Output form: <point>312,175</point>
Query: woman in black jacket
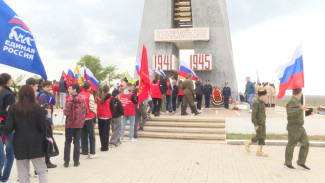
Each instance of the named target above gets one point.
<point>28,121</point>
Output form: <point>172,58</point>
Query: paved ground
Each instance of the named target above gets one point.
<point>153,161</point>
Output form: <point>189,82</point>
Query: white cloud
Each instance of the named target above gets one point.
<point>264,34</point>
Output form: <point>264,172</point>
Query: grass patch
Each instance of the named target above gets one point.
<point>59,128</point>
<point>237,136</point>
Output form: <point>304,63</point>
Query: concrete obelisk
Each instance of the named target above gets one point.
<point>201,25</point>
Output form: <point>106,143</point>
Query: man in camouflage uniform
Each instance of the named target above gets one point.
<point>258,119</point>
<point>296,131</point>
<point>188,96</point>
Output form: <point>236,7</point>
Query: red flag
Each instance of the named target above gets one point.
<point>144,87</point>
<point>64,74</point>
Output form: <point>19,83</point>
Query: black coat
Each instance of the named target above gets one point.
<point>30,132</point>
<point>117,109</point>
<point>7,98</point>
<point>199,89</point>
<point>163,86</point>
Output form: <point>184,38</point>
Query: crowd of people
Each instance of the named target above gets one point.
<point>29,120</point>
<point>83,109</point>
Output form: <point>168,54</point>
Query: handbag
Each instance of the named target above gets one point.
<point>50,147</point>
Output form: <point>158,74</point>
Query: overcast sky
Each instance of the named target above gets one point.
<point>264,35</point>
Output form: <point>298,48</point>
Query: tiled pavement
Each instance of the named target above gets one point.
<point>163,161</point>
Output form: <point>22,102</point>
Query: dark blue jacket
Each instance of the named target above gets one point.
<point>44,95</point>
<point>207,89</point>
<point>62,86</point>
<point>226,92</point>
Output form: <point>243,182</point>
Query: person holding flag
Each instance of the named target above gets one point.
<point>43,98</point>
<point>291,76</point>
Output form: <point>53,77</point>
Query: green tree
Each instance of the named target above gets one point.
<point>17,83</point>
<point>104,75</point>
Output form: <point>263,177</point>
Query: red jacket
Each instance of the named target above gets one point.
<point>128,105</point>
<point>155,90</point>
<point>181,92</point>
<point>76,111</point>
<point>86,94</point>
<point>168,92</point>
<point>55,89</point>
<point>104,110</point>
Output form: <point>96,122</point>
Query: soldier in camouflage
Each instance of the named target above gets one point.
<point>296,131</point>
<point>258,119</point>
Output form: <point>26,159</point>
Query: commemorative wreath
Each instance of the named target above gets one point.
<point>217,98</point>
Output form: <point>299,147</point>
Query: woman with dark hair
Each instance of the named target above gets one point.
<point>104,117</point>
<point>28,120</point>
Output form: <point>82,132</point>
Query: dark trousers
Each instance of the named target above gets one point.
<point>199,101</point>
<point>207,100</point>
<point>72,134</point>
<point>179,100</point>
<point>140,113</point>
<point>88,130</point>
<point>156,105</point>
<point>168,103</point>
<point>150,103</point>
<point>49,133</point>
<point>226,102</point>
<point>103,129</point>
<point>174,102</point>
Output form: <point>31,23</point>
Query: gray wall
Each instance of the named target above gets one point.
<point>213,14</point>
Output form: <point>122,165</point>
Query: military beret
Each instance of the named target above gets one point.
<point>226,83</point>
<point>262,92</point>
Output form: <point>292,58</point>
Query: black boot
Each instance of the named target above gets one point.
<point>194,110</point>
<point>183,110</point>
<point>50,165</point>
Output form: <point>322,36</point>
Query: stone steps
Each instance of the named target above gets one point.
<point>183,130</point>
<point>192,128</point>
<point>186,124</point>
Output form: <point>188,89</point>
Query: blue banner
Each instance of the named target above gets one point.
<point>17,44</point>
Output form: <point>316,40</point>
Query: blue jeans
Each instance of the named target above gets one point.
<point>250,99</point>
<point>170,101</point>
<point>8,158</point>
<point>132,119</point>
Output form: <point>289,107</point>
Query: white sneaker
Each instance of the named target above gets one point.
<point>133,140</point>
<point>93,156</point>
<point>122,139</point>
<point>84,156</point>
<point>250,111</point>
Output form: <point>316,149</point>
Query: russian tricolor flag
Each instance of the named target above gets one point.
<point>91,78</point>
<point>70,75</point>
<point>291,74</point>
<point>185,70</point>
<point>138,66</point>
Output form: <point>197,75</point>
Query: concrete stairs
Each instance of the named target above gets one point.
<point>195,128</point>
